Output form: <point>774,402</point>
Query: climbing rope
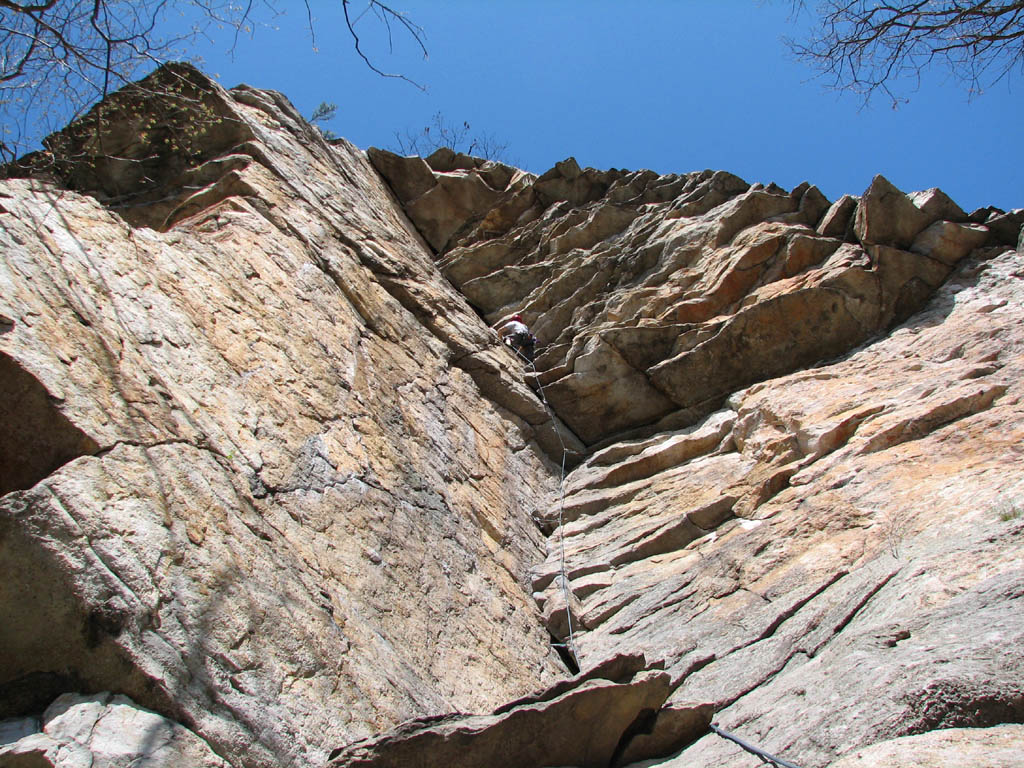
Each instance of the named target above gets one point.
<point>570,646</point>
<point>760,753</point>
<point>765,757</point>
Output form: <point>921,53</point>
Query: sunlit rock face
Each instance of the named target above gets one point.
<point>834,556</point>
<point>258,490</point>
<point>658,296</point>
<point>272,490</point>
<point>804,490</point>
<point>947,748</point>
<point>102,731</point>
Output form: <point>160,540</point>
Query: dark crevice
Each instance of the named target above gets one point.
<point>39,439</point>
<point>565,655</point>
<point>661,733</point>
<point>643,723</point>
<point>797,606</point>
<point>31,693</point>
<point>855,610</point>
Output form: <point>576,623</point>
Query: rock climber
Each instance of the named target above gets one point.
<point>515,334</point>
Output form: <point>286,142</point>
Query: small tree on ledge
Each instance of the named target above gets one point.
<point>458,138</point>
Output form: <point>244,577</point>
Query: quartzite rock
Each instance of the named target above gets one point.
<point>285,513</point>
<point>107,731</point>
<point>269,475</point>
<point>590,725</point>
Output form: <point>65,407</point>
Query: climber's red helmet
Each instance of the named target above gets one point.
<point>517,318</point>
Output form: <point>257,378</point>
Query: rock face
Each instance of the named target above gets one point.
<point>834,557</point>
<point>286,513</point>
<point>659,296</point>
<point>951,748</point>
<point>107,732</point>
<point>269,479</point>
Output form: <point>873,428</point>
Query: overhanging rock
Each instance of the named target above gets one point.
<point>594,721</point>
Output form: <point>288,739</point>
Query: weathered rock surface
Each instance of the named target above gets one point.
<point>592,722</point>
<point>658,296</point>
<point>835,558</point>
<point>445,192</point>
<point>818,519</point>
<point>950,748</point>
<point>286,513</point>
<point>107,731</point>
<point>267,473</point>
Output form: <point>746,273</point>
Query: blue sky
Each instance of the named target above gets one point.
<point>672,86</point>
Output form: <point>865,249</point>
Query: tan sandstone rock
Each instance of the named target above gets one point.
<point>284,512</point>
<point>269,474</point>
<point>950,748</point>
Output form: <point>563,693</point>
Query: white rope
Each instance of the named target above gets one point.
<point>571,644</point>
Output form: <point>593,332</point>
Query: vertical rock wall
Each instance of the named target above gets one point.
<point>803,494</point>
<point>250,485</point>
<point>268,474</point>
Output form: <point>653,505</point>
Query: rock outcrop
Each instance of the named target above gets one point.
<point>257,486</point>
<point>103,732</point>
<point>601,718</point>
<point>273,491</point>
<point>827,560</point>
<point>659,296</point>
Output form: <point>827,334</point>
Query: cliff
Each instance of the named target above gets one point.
<point>275,494</point>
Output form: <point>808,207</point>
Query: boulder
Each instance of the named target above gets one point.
<point>885,216</point>
<point>107,731</point>
<point>949,242</point>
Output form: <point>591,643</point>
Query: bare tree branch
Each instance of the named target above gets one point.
<point>458,138</point>
<point>867,46</point>
<point>387,15</point>
<point>57,57</point>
